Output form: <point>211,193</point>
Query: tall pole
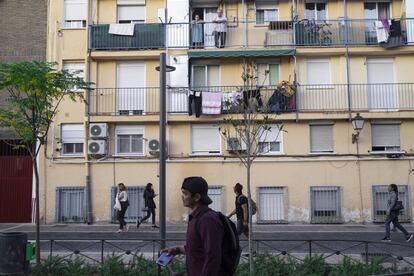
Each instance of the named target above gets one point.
<point>162,171</point>
<point>348,87</point>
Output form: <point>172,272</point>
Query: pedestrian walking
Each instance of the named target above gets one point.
<point>241,211</point>
<point>393,210</point>
<point>205,232</point>
<point>122,198</point>
<point>150,206</point>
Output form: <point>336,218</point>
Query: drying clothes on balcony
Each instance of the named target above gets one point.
<point>382,32</point>
<point>252,97</point>
<point>279,102</point>
<point>122,29</point>
<point>396,38</point>
<point>231,100</point>
<point>194,103</point>
<point>211,103</point>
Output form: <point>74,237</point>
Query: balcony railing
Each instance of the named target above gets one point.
<point>308,98</point>
<point>251,34</point>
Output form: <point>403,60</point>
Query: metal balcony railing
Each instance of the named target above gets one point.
<point>305,33</point>
<point>308,98</point>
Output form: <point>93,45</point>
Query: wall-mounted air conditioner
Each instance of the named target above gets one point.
<point>98,130</point>
<point>97,147</point>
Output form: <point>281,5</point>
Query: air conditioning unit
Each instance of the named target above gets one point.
<point>154,147</point>
<point>234,144</point>
<point>97,147</point>
<point>98,130</point>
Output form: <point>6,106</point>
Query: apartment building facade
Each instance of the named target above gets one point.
<point>22,38</point>
<point>342,60</point>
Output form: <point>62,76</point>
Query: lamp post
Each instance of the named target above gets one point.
<point>358,124</point>
<point>163,69</point>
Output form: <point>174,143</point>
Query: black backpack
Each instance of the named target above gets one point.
<point>230,251</point>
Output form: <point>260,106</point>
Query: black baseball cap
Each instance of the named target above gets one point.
<point>197,185</point>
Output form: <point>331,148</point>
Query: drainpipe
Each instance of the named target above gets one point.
<point>293,15</point>
<point>245,26</point>
<point>348,87</point>
<point>88,181</point>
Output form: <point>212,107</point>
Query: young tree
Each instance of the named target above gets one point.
<point>247,130</point>
<point>34,92</point>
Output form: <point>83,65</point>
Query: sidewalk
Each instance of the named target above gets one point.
<point>182,227</point>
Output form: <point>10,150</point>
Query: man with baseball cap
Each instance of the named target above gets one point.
<point>205,231</point>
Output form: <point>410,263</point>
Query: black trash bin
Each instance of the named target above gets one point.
<point>12,253</point>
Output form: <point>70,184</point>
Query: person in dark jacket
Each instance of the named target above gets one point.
<point>205,232</point>
<point>149,196</point>
<point>392,215</point>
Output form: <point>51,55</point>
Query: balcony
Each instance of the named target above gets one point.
<point>377,97</point>
<point>277,34</point>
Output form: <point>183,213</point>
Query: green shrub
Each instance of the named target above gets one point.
<point>50,266</point>
<point>113,265</point>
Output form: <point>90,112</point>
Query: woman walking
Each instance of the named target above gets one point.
<point>149,195</point>
<point>393,210</point>
<point>122,199</point>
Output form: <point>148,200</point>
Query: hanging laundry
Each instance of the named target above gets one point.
<point>231,100</point>
<point>122,29</point>
<point>194,103</point>
<point>382,33</point>
<point>211,103</point>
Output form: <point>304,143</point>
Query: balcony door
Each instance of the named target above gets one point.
<point>373,12</point>
<point>178,31</point>
<point>381,91</point>
<point>130,92</point>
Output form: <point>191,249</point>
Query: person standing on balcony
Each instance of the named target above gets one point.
<point>197,32</point>
<point>149,196</point>
<point>241,210</point>
<point>393,210</point>
<point>122,197</point>
<point>220,29</point>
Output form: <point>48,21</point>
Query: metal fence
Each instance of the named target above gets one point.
<point>326,204</point>
<point>71,204</point>
<point>253,34</point>
<point>332,251</point>
<point>308,98</point>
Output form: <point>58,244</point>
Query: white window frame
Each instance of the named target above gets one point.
<point>129,130</point>
<point>267,82</point>
<point>321,124</point>
<point>267,140</point>
<point>387,148</point>
<point>264,10</point>
<point>72,140</point>
<point>75,68</point>
<point>140,21</point>
<point>77,23</point>
<point>220,195</point>
<point>316,12</point>
<point>204,152</point>
<point>319,60</point>
<point>206,73</point>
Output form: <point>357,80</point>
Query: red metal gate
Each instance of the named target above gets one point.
<point>15,185</point>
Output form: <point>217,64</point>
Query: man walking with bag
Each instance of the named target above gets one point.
<point>241,211</point>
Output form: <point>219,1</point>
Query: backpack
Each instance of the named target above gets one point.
<point>254,205</point>
<point>231,250</point>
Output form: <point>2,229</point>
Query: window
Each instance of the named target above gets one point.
<point>326,204</point>
<point>380,197</point>
<point>377,10</point>
<point>206,75</point>
<point>266,13</point>
<point>271,202</point>
<point>270,141</point>
<point>129,140</point>
<point>318,71</point>
<point>315,11</point>
<point>268,74</point>
<point>321,137</point>
<point>385,136</point>
<point>75,13</point>
<point>215,193</point>
<point>72,139</point>
<point>131,14</point>
<point>77,69</point>
<point>71,204</point>
<point>205,139</point>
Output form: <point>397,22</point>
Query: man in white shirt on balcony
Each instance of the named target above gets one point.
<point>220,29</point>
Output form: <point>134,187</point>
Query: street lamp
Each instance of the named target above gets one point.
<point>163,69</point>
<point>357,123</point>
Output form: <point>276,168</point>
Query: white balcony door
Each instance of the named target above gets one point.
<point>130,92</point>
<point>178,31</point>
<point>209,15</point>
<point>178,81</point>
<point>381,91</point>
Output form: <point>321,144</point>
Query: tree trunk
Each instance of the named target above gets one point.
<point>249,197</point>
<point>37,216</point>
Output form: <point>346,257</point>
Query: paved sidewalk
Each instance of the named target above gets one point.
<point>181,228</point>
